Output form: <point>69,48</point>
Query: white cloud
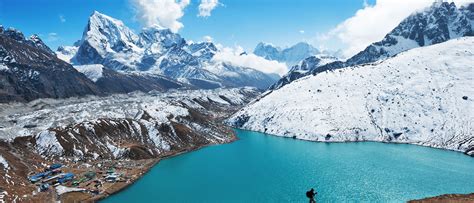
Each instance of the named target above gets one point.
<point>301,31</point>
<point>165,13</point>
<point>62,19</point>
<point>373,22</point>
<point>206,6</point>
<point>52,37</point>
<point>235,57</point>
<point>207,38</point>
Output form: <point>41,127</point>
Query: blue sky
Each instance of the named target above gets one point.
<point>233,22</point>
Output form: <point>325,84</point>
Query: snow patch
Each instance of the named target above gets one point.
<point>93,72</point>
<point>47,143</point>
<point>4,162</point>
<point>3,67</point>
<point>63,189</point>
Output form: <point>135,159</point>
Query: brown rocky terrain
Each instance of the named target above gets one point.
<point>449,198</point>
<point>157,126</point>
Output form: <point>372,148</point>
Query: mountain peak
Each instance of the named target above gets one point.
<point>98,18</point>
<point>104,33</point>
<point>14,34</point>
<point>36,41</point>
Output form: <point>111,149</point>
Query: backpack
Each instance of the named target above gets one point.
<point>309,194</point>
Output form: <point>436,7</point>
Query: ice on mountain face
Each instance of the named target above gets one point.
<point>415,97</point>
<point>109,42</point>
<point>164,37</point>
<point>204,50</point>
<point>109,34</point>
<point>93,72</point>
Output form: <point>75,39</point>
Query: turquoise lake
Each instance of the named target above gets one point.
<point>263,168</point>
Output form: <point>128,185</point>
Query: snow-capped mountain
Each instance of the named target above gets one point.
<point>33,40</point>
<point>29,70</point>
<point>156,50</point>
<point>438,23</point>
<point>291,55</point>
<point>423,96</point>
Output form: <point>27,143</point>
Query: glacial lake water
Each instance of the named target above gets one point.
<point>263,168</point>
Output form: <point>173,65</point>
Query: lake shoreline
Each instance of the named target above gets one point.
<point>359,141</point>
<point>130,194</point>
<point>156,161</point>
<point>145,170</point>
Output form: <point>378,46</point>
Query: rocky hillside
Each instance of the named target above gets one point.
<point>438,23</point>
<point>423,96</point>
<point>121,127</point>
<point>29,70</point>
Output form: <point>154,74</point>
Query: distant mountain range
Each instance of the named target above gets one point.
<point>438,23</point>
<point>291,55</point>
<point>158,51</point>
<point>109,59</point>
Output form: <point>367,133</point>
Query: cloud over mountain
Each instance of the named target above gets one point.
<point>166,13</point>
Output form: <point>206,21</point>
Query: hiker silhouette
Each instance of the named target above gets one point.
<point>311,194</point>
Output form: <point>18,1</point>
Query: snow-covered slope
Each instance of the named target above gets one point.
<point>424,96</point>
<point>156,50</point>
<point>93,72</point>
